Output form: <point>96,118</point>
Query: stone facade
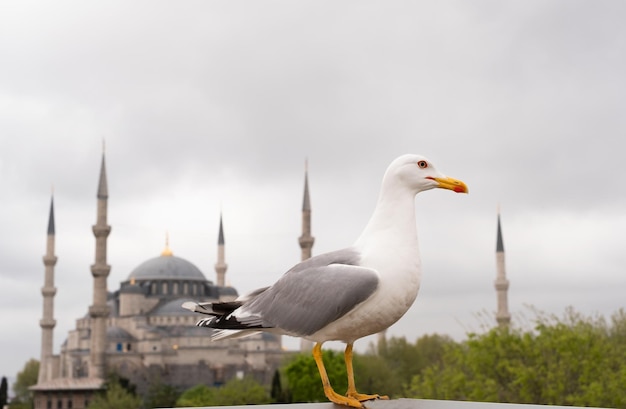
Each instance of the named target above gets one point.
<point>151,338</point>
<point>140,331</point>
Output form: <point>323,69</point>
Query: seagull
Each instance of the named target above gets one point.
<point>346,294</point>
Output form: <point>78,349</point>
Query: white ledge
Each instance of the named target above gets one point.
<point>402,404</point>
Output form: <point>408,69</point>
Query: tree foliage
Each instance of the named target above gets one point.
<point>385,371</point>
<point>116,396</point>
<point>569,360</point>
<point>374,375</point>
<point>277,392</point>
<point>26,378</point>
<point>161,395</point>
<point>305,384</point>
<point>4,391</point>
<point>199,395</point>
<point>405,359</point>
<point>244,391</point>
<point>574,360</point>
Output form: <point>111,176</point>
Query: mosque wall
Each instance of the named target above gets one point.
<point>141,331</point>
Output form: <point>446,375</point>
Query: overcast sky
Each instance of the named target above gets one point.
<point>208,105</point>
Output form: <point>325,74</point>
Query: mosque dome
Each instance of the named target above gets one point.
<point>166,267</point>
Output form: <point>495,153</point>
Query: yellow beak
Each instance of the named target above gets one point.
<point>452,184</point>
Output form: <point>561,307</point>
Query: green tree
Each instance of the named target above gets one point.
<point>26,378</point>
<point>161,395</point>
<point>574,360</point>
<point>277,393</point>
<point>372,375</point>
<point>244,391</point>
<point>400,355</point>
<point>199,395</point>
<point>4,392</point>
<point>124,383</point>
<point>115,397</point>
<point>407,360</point>
<point>305,384</point>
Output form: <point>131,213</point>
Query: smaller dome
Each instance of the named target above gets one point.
<point>119,334</point>
<point>227,291</point>
<point>269,337</point>
<point>132,289</point>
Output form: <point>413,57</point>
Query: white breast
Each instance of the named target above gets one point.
<point>397,290</point>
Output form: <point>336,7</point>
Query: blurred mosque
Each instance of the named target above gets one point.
<point>140,331</point>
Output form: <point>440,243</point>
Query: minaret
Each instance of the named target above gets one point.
<point>221,266</point>
<point>48,291</point>
<point>501,283</point>
<point>306,240</point>
<point>99,311</point>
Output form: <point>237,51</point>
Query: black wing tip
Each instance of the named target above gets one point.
<point>230,323</point>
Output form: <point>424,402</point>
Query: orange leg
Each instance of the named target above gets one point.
<point>352,393</point>
<point>328,390</point>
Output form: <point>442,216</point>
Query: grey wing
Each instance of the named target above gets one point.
<point>307,299</point>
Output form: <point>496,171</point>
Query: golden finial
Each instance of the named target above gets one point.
<point>167,251</point>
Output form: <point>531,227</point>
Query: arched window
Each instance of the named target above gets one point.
<point>175,288</point>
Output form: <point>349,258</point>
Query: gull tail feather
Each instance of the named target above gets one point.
<point>227,319</point>
<point>215,309</point>
<point>220,334</point>
<point>231,334</point>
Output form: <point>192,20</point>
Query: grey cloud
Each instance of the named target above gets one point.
<point>209,103</point>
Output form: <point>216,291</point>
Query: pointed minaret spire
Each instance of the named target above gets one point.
<point>220,236</point>
<point>48,291</point>
<point>306,202</point>
<point>306,240</point>
<point>103,191</point>
<point>99,311</point>
<point>51,217</point>
<point>501,283</point>
<point>221,266</point>
<point>499,242</point>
